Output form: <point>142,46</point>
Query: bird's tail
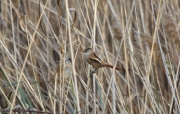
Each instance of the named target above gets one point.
<point>110,66</point>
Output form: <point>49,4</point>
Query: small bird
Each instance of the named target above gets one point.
<point>94,60</point>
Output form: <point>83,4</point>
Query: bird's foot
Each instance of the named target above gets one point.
<point>93,71</point>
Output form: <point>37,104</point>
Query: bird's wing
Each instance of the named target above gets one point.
<point>95,59</point>
<point>97,56</point>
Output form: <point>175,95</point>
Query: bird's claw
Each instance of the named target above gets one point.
<point>93,71</point>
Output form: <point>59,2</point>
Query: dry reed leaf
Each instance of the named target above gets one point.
<point>116,30</point>
<point>22,22</point>
<point>147,39</point>
<point>170,27</point>
<point>81,48</point>
<point>62,78</point>
<point>64,68</point>
<point>137,48</point>
<point>179,23</point>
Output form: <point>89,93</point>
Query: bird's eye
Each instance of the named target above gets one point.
<point>86,50</point>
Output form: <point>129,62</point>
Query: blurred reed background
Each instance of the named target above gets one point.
<point>43,71</point>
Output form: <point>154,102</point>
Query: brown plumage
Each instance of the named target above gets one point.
<point>94,60</point>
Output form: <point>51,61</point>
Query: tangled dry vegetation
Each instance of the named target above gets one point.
<point>43,71</point>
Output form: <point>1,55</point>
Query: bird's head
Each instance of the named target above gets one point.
<point>87,51</point>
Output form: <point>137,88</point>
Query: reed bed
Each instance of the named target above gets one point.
<point>42,69</point>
